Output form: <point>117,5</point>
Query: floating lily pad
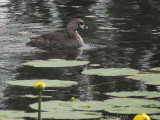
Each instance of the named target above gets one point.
<point>111,118</point>
<point>132,106</point>
<point>65,110</point>
<point>12,119</point>
<point>152,79</point>
<point>55,63</point>
<point>71,115</point>
<point>111,72</point>
<point>117,105</point>
<point>156,117</point>
<point>133,102</point>
<point>91,106</point>
<point>54,106</point>
<point>155,69</point>
<point>132,110</point>
<point>12,115</point>
<point>135,93</point>
<point>49,83</point>
<point>69,105</point>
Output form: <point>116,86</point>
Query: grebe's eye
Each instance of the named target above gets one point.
<point>80,23</point>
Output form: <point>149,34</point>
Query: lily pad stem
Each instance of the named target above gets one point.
<point>39,104</point>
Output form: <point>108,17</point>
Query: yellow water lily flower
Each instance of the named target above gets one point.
<point>142,117</point>
<point>40,86</point>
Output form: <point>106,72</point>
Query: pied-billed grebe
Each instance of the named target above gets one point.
<point>61,40</point>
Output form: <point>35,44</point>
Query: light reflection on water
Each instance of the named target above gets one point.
<point>135,44</point>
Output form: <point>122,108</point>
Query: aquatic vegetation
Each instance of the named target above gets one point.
<point>155,69</point>
<point>71,115</point>
<point>142,117</point>
<point>69,109</point>
<point>11,115</point>
<point>133,102</point>
<point>91,106</point>
<point>55,63</point>
<point>132,106</point>
<point>76,109</point>
<point>49,83</point>
<point>15,114</point>
<point>151,79</point>
<point>135,94</point>
<point>112,118</point>
<point>132,110</point>
<point>39,86</point>
<point>111,71</point>
<point>70,105</point>
<point>117,105</point>
<point>157,117</point>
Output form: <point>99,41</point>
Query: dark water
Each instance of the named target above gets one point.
<point>134,45</point>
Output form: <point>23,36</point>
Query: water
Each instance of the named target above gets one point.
<point>135,44</point>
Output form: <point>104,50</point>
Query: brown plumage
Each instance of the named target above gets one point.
<point>71,39</point>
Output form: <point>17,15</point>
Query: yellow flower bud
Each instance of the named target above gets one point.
<point>40,86</point>
<point>142,117</point>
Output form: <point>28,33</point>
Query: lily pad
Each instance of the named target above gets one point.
<point>71,115</point>
<point>155,69</point>
<point>111,72</point>
<point>12,115</point>
<point>133,102</point>
<point>111,118</point>
<point>132,110</point>
<point>70,105</point>
<point>65,110</point>
<point>117,105</point>
<point>151,79</point>
<point>157,117</point>
<point>49,83</point>
<point>132,106</point>
<point>12,119</point>
<point>55,63</point>
<point>135,93</point>
<point>91,106</point>
<point>54,106</point>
